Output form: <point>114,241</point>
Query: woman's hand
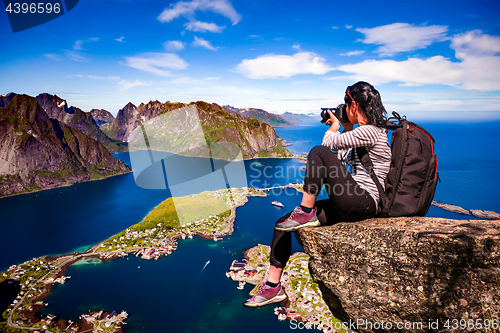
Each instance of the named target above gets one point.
<point>333,122</point>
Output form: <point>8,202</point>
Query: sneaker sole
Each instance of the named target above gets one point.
<point>275,299</point>
<point>308,224</point>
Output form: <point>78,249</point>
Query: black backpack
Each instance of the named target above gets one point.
<point>412,179</point>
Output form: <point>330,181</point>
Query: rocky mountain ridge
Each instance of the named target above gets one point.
<point>275,120</point>
<point>302,117</point>
<point>45,143</point>
<point>57,108</point>
<point>218,125</point>
<point>271,119</point>
<point>38,152</point>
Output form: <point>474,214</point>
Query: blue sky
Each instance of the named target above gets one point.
<point>429,59</point>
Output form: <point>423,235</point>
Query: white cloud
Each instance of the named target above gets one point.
<point>183,80</point>
<point>335,28</point>
<point>52,56</point>
<point>203,43</point>
<point>173,45</point>
<point>78,45</point>
<point>120,39</point>
<point>121,83</point>
<point>75,56</point>
<point>188,9</point>
<point>475,43</point>
<point>303,82</point>
<point>199,26</point>
<point>411,72</point>
<point>455,108</point>
<point>156,63</point>
<point>95,77</point>
<point>402,37</point>
<point>352,53</point>
<point>347,26</point>
<point>302,98</point>
<point>477,68</point>
<point>124,84</point>
<point>283,66</point>
<point>188,80</point>
<point>296,46</point>
<point>241,90</point>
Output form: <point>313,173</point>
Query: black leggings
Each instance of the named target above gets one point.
<point>347,202</point>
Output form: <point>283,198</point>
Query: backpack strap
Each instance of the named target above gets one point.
<point>395,121</point>
<point>368,164</point>
<point>396,116</point>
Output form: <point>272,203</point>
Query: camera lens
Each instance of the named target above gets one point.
<point>324,116</point>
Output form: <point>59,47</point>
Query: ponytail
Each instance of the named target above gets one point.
<point>368,98</point>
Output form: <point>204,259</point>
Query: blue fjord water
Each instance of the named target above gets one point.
<point>173,294</point>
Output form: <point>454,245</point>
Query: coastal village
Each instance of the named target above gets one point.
<point>33,281</point>
<point>152,238</point>
<point>304,303</point>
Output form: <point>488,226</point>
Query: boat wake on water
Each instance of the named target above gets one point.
<point>206,264</point>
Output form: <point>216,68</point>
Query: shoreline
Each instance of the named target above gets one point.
<point>227,231</point>
<point>66,185</point>
<point>238,160</point>
<point>28,313</point>
<point>131,170</point>
<point>35,304</point>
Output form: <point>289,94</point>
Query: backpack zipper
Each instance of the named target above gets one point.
<point>411,128</point>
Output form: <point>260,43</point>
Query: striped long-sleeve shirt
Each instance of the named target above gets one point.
<point>377,145</point>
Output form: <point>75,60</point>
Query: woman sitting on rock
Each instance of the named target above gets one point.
<point>352,196</point>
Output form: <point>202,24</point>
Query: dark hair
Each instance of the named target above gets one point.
<point>368,98</point>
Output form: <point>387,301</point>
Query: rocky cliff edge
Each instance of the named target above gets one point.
<point>408,270</point>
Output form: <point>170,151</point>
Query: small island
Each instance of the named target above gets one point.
<point>209,214</point>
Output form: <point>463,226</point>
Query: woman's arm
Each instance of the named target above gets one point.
<point>335,124</point>
<point>362,136</point>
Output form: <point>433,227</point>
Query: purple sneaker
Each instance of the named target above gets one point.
<point>298,219</point>
<point>266,295</point>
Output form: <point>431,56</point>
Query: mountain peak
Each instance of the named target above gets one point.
<point>101,116</point>
<point>6,98</point>
<point>25,109</point>
<point>57,108</point>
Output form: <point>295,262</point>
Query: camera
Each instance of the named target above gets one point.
<point>339,112</point>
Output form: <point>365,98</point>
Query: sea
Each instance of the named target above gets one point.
<point>177,293</point>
